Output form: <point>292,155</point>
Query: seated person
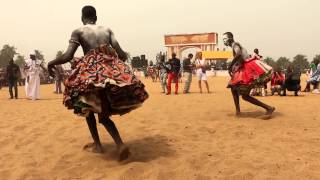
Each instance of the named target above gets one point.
<point>314,79</point>
<point>309,73</point>
<point>277,80</point>
<point>292,81</point>
<point>261,88</point>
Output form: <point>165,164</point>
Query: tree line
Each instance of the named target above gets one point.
<point>299,60</point>
<point>8,52</point>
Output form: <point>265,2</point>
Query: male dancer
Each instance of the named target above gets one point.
<point>100,82</point>
<point>240,84</point>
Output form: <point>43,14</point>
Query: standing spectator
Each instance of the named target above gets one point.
<point>32,84</point>
<point>59,73</point>
<point>187,71</point>
<point>13,73</point>
<point>173,73</point>
<point>201,71</point>
<point>2,77</point>
<point>163,74</point>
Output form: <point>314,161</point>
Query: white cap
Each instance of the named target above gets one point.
<point>32,53</point>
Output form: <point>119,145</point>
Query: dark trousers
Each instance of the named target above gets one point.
<point>13,84</point>
<point>58,86</point>
<point>291,85</point>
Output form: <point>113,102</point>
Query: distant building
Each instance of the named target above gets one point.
<point>139,61</point>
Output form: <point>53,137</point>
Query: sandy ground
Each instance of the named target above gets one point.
<point>194,136</point>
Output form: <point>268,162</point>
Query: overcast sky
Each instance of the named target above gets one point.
<point>276,27</point>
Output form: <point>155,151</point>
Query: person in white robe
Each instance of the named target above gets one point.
<point>32,70</point>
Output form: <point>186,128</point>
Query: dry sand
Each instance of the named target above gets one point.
<point>194,136</point>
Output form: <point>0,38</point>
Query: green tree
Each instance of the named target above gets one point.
<point>7,52</point>
<point>150,63</point>
<point>20,61</point>
<point>283,62</point>
<point>270,61</point>
<point>59,54</point>
<point>301,61</point>
<point>316,59</point>
<point>39,55</point>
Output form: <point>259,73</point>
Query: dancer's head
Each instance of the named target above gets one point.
<point>228,38</point>
<point>89,15</point>
<point>190,56</point>
<point>173,55</point>
<point>256,51</point>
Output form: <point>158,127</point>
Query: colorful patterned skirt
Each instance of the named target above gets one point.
<point>102,83</point>
<point>249,74</point>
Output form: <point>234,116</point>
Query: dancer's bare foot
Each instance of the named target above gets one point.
<point>268,114</point>
<point>94,147</point>
<point>238,114</point>
<point>124,152</point>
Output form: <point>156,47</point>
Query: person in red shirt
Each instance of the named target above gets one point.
<point>173,73</point>
<point>277,79</point>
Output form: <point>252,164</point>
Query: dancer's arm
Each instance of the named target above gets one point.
<point>68,55</point>
<point>237,57</point>
<point>114,43</point>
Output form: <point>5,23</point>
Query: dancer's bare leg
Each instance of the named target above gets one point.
<point>113,131</point>
<point>199,84</point>
<point>96,145</point>
<point>235,96</point>
<point>207,85</point>
<point>255,101</point>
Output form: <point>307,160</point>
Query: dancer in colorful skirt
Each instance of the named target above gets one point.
<point>260,89</point>
<point>245,73</point>
<point>100,82</point>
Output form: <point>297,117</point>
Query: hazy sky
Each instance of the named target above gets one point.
<point>276,27</point>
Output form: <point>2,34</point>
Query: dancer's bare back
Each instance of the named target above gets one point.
<point>91,36</point>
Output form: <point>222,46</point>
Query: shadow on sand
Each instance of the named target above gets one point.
<point>255,115</point>
<point>142,150</point>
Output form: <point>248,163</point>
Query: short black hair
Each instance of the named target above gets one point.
<point>229,34</point>
<point>162,58</point>
<point>190,55</point>
<point>89,12</point>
